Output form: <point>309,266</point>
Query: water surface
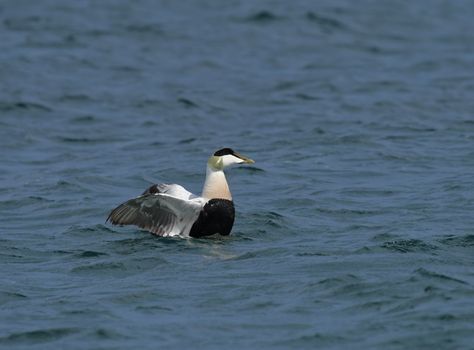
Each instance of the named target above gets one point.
<point>354,228</point>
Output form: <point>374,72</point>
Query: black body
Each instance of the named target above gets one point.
<point>217,216</point>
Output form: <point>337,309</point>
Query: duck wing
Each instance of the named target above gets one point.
<point>160,213</point>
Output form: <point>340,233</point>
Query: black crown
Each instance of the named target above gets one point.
<point>224,152</point>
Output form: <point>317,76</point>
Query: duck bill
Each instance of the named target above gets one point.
<point>245,160</point>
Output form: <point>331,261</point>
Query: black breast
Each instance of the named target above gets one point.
<point>217,216</point>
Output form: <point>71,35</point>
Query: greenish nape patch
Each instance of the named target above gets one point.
<point>216,163</point>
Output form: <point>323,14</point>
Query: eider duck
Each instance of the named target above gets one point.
<point>171,210</point>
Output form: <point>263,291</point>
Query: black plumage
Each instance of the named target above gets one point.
<point>217,216</point>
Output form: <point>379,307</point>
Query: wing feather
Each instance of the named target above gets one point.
<point>159,213</point>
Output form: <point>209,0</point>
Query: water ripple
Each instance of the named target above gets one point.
<point>409,246</point>
<point>353,229</point>
<point>37,336</point>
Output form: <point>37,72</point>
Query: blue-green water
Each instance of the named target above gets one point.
<point>354,229</point>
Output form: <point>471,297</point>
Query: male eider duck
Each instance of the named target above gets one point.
<point>171,210</point>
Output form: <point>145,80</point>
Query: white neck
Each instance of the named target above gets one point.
<point>216,185</point>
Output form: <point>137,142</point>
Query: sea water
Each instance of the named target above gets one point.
<point>354,228</point>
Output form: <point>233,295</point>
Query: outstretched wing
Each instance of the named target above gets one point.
<point>159,213</point>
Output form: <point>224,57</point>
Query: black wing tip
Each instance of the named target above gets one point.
<point>110,218</point>
<point>114,216</point>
